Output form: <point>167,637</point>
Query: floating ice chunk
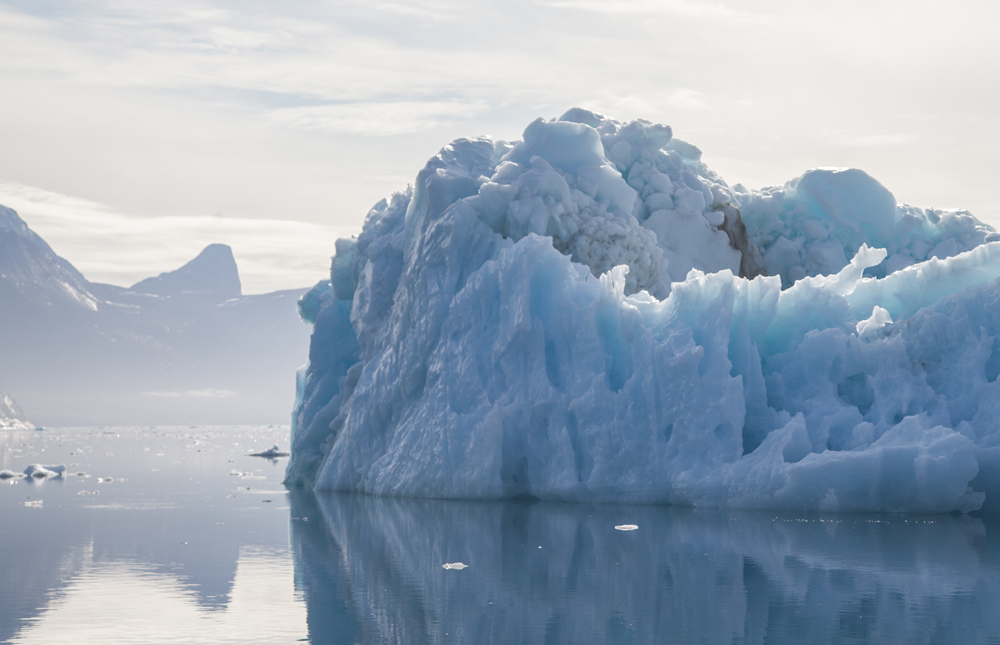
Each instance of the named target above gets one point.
<point>626,527</point>
<point>37,471</point>
<point>34,503</point>
<point>10,474</point>
<point>454,565</point>
<point>271,453</point>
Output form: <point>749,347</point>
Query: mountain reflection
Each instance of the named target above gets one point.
<point>371,571</point>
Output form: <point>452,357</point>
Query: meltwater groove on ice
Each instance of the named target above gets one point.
<point>591,314</point>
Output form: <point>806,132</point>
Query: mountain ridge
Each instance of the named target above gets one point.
<point>86,353</point>
<point>11,415</point>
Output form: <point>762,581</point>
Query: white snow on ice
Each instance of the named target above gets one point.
<point>271,453</point>
<point>564,318</point>
<point>38,471</point>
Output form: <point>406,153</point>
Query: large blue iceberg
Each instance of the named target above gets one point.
<point>591,314</point>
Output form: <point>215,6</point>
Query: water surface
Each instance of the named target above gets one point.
<point>193,541</point>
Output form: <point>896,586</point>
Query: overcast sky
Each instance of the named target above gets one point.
<point>132,134</point>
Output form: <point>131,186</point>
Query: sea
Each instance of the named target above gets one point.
<point>179,535</point>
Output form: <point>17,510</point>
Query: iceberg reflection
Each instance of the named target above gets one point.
<point>372,571</point>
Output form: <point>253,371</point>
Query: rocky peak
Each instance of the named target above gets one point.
<point>213,271</point>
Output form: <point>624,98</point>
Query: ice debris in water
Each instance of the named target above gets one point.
<point>592,314</point>
<point>454,565</point>
<point>37,471</point>
<point>270,453</point>
<point>34,503</point>
<point>10,474</point>
<point>626,527</point>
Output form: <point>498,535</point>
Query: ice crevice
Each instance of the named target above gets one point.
<point>591,314</point>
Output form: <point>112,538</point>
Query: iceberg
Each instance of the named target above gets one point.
<point>38,471</point>
<point>271,453</point>
<point>591,314</point>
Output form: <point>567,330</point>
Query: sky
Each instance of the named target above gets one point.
<point>134,134</point>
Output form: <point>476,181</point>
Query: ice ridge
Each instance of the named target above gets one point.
<point>570,317</point>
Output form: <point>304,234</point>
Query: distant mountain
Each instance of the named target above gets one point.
<point>213,271</point>
<point>31,272</point>
<point>183,347</point>
<point>11,416</point>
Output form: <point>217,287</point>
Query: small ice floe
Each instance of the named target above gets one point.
<point>626,527</point>
<point>271,453</point>
<point>33,503</point>
<point>454,565</point>
<point>38,471</point>
<point>105,480</point>
<point>87,492</point>
<point>10,474</point>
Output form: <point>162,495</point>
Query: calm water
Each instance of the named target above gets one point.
<point>192,541</point>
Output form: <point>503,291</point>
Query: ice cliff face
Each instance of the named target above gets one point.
<point>565,318</point>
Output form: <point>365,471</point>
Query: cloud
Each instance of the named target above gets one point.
<point>712,10</point>
<point>877,140</point>
<point>844,138</point>
<point>207,393</point>
<point>376,118</point>
<point>113,247</point>
<point>268,109</point>
<point>685,99</point>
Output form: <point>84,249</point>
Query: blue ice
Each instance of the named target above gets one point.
<point>571,317</point>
